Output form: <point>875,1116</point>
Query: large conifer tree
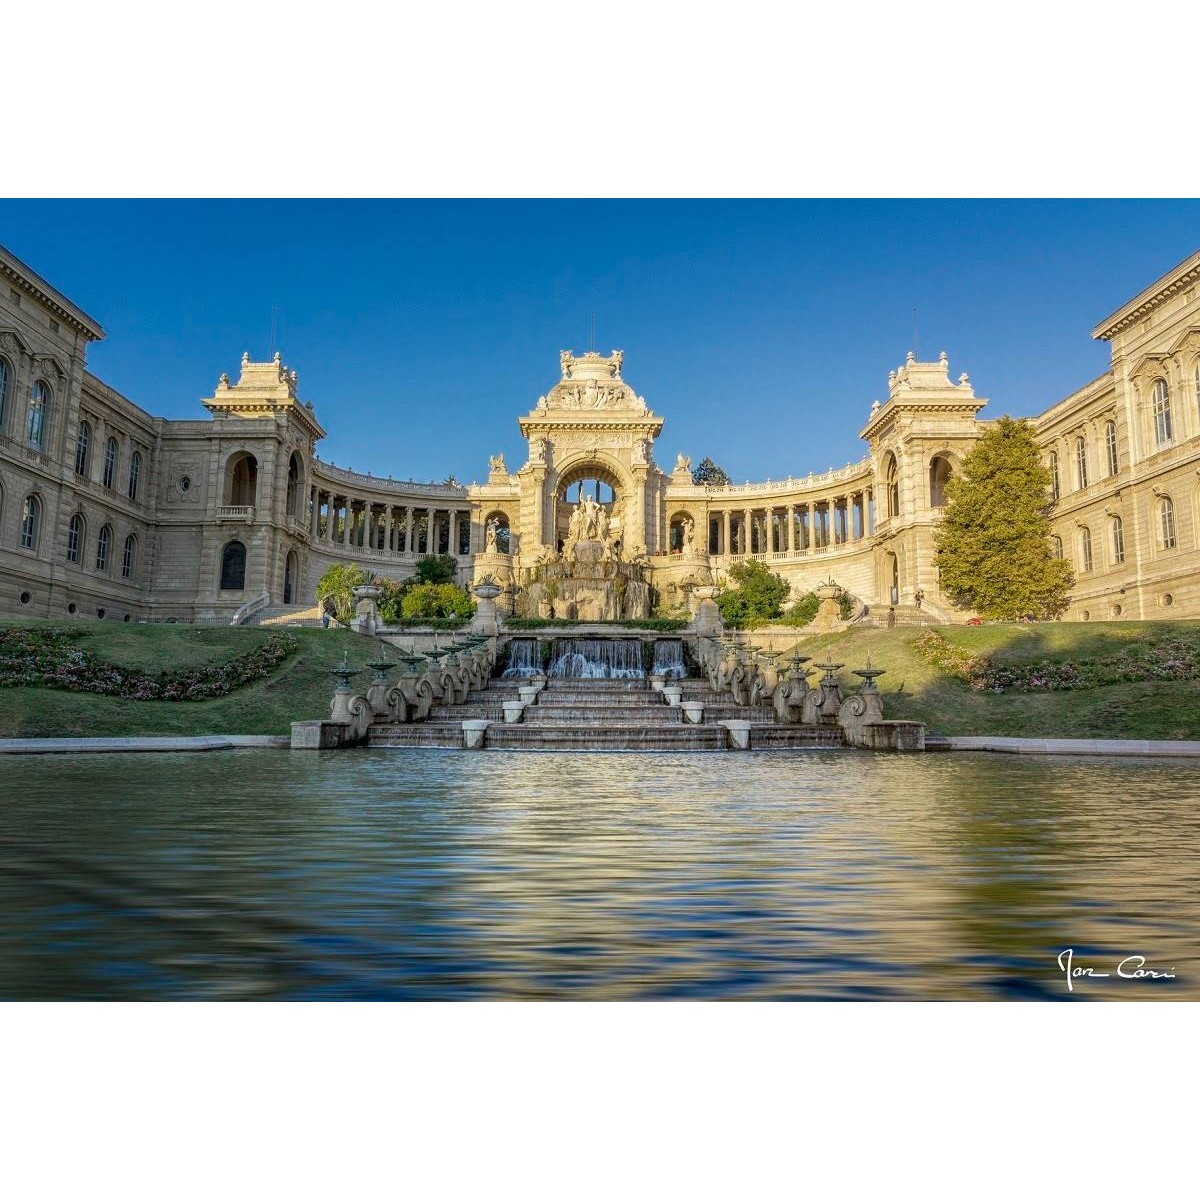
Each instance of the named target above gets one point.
<point>993,543</point>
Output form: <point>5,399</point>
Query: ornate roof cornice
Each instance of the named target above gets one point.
<point>27,280</point>
<point>1185,275</point>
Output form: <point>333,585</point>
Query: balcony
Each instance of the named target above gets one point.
<point>236,512</point>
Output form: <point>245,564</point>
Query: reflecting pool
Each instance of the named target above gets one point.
<point>429,874</point>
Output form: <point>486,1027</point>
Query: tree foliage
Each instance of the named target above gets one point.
<point>758,597</point>
<point>435,600</point>
<point>709,472</point>
<point>337,586</point>
<point>437,568</point>
<point>993,543</point>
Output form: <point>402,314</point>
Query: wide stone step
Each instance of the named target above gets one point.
<point>421,734</point>
<point>677,737</point>
<point>616,719</point>
<point>634,700</point>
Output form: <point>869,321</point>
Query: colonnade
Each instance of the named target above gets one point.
<point>337,519</point>
<point>794,528</point>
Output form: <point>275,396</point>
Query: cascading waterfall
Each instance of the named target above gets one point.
<point>524,659</point>
<point>597,658</point>
<point>668,658</point>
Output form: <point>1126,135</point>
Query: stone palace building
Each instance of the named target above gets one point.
<point>107,511</point>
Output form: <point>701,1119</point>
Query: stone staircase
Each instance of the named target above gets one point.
<point>603,714</point>
<point>287,614</point>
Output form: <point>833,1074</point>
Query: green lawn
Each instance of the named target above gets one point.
<point>301,688</point>
<point>916,691</point>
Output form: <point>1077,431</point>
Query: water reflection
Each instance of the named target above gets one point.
<point>434,875</point>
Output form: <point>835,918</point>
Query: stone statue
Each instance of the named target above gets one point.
<point>537,450</point>
<point>618,357</point>
<point>496,464</point>
<point>689,538</point>
<point>489,545</point>
<point>567,361</point>
<point>639,454</point>
<point>683,463</point>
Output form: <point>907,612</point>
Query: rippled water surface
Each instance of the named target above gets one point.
<point>443,875</point>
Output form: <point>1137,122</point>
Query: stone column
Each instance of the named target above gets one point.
<point>726,532</point>
<point>453,547</point>
<point>429,538</point>
<point>791,529</point>
<point>747,531</point>
<point>387,528</point>
<point>408,528</point>
<point>346,507</point>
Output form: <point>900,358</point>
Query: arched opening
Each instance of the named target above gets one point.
<point>681,534</point>
<point>600,486</point>
<point>293,485</point>
<point>496,536</point>
<point>891,480</point>
<point>129,558</point>
<point>111,451</point>
<point>291,566</point>
<point>940,472</point>
<point>241,480</point>
<point>891,571</point>
<point>233,567</point>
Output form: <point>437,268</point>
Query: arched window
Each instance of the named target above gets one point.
<point>939,475</point>
<point>1166,523</point>
<point>1110,442</point>
<point>129,558</point>
<point>1056,546</point>
<point>1085,548</point>
<point>1118,541</point>
<point>135,473</point>
<point>892,479</point>
<point>293,484</point>
<point>6,375</point>
<point>111,450</point>
<point>1081,479</point>
<point>103,545</point>
<point>83,444</point>
<point>233,567</point>
<point>31,520</point>
<point>76,536</point>
<point>1055,489</point>
<point>1161,401</point>
<point>39,411</point>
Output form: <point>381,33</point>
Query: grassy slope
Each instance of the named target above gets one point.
<point>916,691</point>
<point>301,688</point>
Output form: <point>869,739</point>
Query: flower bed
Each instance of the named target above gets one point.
<point>49,658</point>
<point>1141,662</point>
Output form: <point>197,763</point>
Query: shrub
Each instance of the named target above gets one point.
<point>437,568</point>
<point>49,658</point>
<point>803,611</point>
<point>337,586</point>
<point>424,600</point>
<point>758,597</point>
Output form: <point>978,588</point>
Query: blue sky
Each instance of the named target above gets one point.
<point>761,331</point>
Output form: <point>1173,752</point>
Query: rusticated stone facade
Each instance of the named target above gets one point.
<point>108,511</point>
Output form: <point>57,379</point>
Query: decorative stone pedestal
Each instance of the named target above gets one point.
<point>474,733</point>
<point>739,734</point>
